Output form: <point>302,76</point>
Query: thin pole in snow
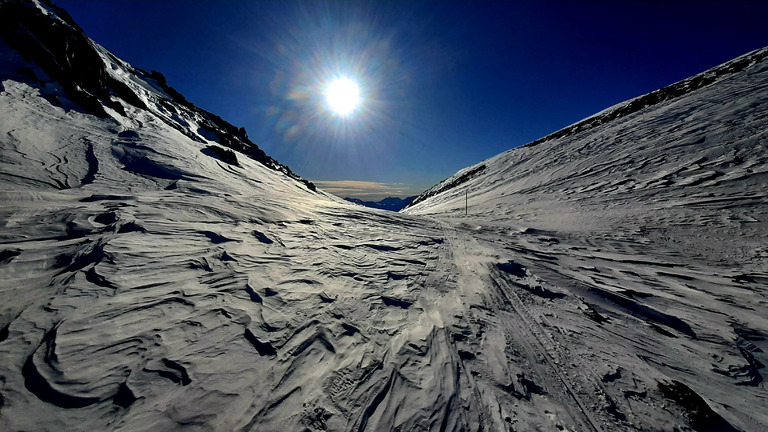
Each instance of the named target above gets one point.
<point>466,203</point>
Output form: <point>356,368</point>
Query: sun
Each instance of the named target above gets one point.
<point>342,96</point>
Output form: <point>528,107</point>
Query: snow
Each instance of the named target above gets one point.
<point>657,222</point>
<point>612,279</point>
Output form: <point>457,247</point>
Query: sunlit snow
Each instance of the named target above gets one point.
<point>609,278</point>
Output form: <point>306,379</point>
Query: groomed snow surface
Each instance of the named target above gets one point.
<point>612,279</point>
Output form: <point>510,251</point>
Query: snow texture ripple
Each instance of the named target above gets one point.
<point>157,275</point>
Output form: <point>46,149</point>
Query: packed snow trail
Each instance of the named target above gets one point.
<point>545,341</point>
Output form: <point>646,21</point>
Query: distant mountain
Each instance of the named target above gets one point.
<point>389,203</point>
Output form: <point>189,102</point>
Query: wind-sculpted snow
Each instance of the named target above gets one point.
<point>652,225</point>
<point>154,277</point>
<point>174,290</point>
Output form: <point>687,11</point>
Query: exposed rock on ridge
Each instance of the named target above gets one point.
<point>90,78</point>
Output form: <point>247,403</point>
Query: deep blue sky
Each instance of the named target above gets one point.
<point>448,83</point>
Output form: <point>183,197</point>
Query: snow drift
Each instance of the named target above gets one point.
<point>653,214</point>
<point>158,271</point>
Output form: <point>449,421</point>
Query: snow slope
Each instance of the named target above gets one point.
<point>654,222</point>
<point>159,272</point>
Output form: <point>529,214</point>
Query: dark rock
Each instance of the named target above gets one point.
<point>215,238</point>
<point>160,78</point>
<point>655,97</point>
<point>253,294</point>
<point>131,227</point>
<point>61,49</point>
<point>349,329</point>
<point>261,237</point>
<point>466,355</point>
<point>125,93</point>
<point>325,298</point>
<point>612,376</point>
<point>593,314</point>
<point>4,332</point>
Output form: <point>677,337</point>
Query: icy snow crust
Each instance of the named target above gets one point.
<point>612,279</point>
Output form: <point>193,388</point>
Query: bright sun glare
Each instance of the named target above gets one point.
<point>342,96</point>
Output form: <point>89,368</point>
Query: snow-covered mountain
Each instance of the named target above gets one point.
<point>389,203</point>
<point>75,73</point>
<point>652,218</point>
<point>158,271</point>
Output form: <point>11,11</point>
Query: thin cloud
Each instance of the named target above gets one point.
<point>365,190</point>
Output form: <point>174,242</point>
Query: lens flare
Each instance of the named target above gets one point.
<point>338,80</point>
<point>342,96</point>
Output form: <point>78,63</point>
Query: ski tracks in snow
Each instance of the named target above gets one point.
<point>510,351</point>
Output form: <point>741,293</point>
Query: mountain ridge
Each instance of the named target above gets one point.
<point>615,112</point>
<point>389,203</point>
<point>91,76</point>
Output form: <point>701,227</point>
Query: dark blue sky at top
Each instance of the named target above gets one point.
<point>448,84</point>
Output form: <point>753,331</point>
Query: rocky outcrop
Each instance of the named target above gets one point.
<point>48,37</point>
